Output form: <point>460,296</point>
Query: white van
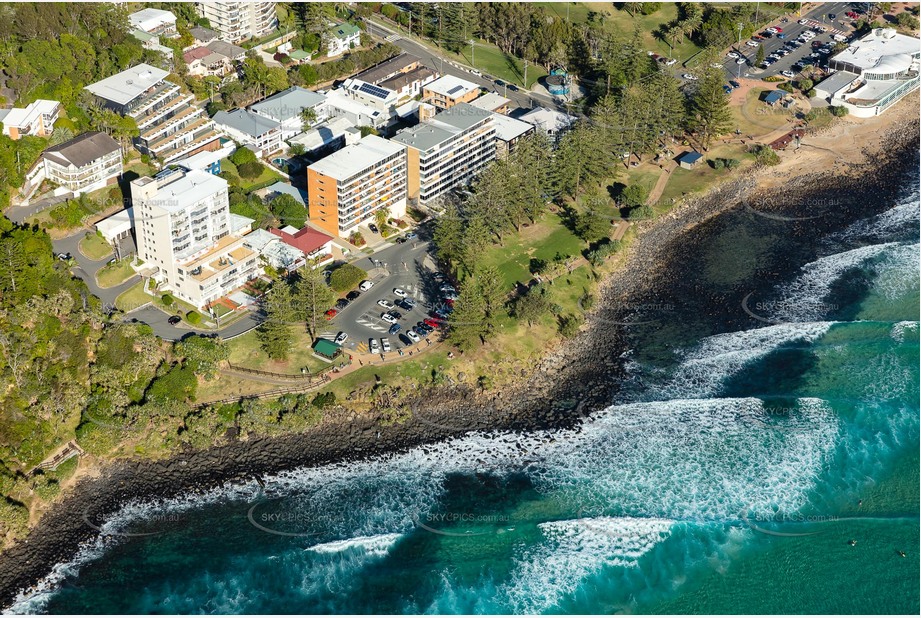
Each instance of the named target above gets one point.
<point>366,285</point>
<point>840,38</point>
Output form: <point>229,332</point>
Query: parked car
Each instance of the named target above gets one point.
<point>174,320</point>
<point>330,314</point>
<point>751,43</point>
<point>411,235</point>
<point>727,89</point>
<point>732,55</point>
<point>741,61</point>
<point>342,303</point>
<point>803,22</point>
<point>394,329</point>
<point>670,62</point>
<point>404,339</point>
<point>757,38</point>
<point>424,328</point>
<point>788,74</point>
<point>385,344</point>
<point>513,87</point>
<point>499,83</point>
<point>402,304</point>
<point>734,83</point>
<point>373,228</point>
<point>690,77</point>
<point>373,346</point>
<point>388,318</point>
<point>413,336</point>
<point>396,314</point>
<point>386,304</point>
<point>433,322</point>
<point>781,36</point>
<point>366,285</point>
<point>399,292</point>
<point>353,295</point>
<point>341,337</point>
<point>64,256</point>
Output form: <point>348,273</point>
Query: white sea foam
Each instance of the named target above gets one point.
<point>377,545</point>
<point>574,549</point>
<point>901,329</point>
<point>885,224</point>
<point>716,358</point>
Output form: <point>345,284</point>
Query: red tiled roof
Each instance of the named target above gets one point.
<point>195,54</point>
<point>306,239</point>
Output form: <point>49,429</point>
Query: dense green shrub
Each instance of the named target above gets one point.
<point>346,277</point>
<point>242,155</point>
<point>250,170</point>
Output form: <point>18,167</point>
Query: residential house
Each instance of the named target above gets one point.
<point>83,164</point>
<point>509,132</point>
<point>447,151</point>
<point>154,21</point>
<point>403,63</point>
<point>36,118</point>
<point>202,37</point>
<point>493,102</point>
<point>340,38</point>
<point>348,187</point>
<point>259,134</point>
<point>410,83</point>
<point>550,121</point>
<point>316,246</point>
<point>216,59</point>
<point>152,42</point>
<point>327,137</point>
<point>286,106</point>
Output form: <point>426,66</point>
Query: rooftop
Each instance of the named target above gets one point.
<point>401,80</point>
<point>306,240</point>
<point>344,30</point>
<point>490,101</point>
<point>283,188</point>
<point>195,54</point>
<point>388,68</point>
<point>548,119</point>
<point>20,115</point>
<point>288,103</point>
<point>774,95</point>
<point>83,149</point>
<point>339,99</point>
<point>201,33</point>
<point>226,49</point>
<point>508,129</point>
<point>246,122</point>
<point>442,127</point>
<point>183,188</point>
<point>356,158</point>
<point>836,81</point>
<point>218,258</point>
<point>148,19</point>
<point>883,49</point>
<point>451,86</point>
<point>124,87</point>
<point>690,157</point>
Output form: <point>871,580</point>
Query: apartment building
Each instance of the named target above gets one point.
<point>448,91</point>
<point>237,21</point>
<point>83,164</point>
<point>171,127</point>
<point>447,151</point>
<point>184,229</point>
<point>36,118</point>
<point>346,188</point>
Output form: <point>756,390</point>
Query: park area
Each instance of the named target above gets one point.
<point>94,247</point>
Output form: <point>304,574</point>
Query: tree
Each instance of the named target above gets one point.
<point>592,226</point>
<point>380,217</point>
<point>468,325</point>
<point>288,210</point>
<point>532,306</point>
<point>710,107</point>
<point>243,155</point>
<point>251,170</point>
<point>634,195</point>
<point>448,236</point>
<point>759,55</point>
<point>308,116</point>
<point>313,296</point>
<point>346,277</point>
<point>274,333</point>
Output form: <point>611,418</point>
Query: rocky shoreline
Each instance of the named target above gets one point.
<point>576,379</point>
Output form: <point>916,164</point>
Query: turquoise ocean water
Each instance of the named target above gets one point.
<point>728,480</point>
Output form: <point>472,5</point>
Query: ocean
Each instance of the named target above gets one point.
<point>769,468</point>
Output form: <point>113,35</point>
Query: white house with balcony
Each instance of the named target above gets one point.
<point>36,118</point>
<point>86,163</point>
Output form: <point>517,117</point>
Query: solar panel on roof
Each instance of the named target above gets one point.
<point>374,91</point>
<point>455,89</point>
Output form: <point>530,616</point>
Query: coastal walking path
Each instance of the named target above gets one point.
<point>661,183</point>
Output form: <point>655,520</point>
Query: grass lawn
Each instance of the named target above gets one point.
<point>494,62</point>
<point>703,176</point>
<point>267,176</point>
<point>114,274</point>
<point>94,247</point>
<point>755,117</point>
<point>132,298</point>
<point>245,351</point>
<point>417,372</point>
<point>543,240</point>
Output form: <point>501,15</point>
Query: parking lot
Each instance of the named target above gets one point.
<point>792,29</point>
<point>405,266</point>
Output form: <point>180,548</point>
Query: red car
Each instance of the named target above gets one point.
<point>433,322</point>
<point>331,314</point>
<point>778,28</point>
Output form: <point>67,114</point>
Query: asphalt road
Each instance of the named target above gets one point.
<point>791,30</point>
<point>431,59</point>
<point>401,266</point>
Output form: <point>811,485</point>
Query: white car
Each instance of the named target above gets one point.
<point>388,318</point>
<point>670,62</point>
<point>386,304</point>
<point>341,337</point>
<point>366,285</point>
<point>803,22</point>
<point>373,346</point>
<point>400,293</point>
<point>788,74</point>
<point>732,55</point>
<point>752,43</point>
<point>385,343</point>
<point>809,34</point>
<point>413,336</point>
<point>772,30</point>
<point>741,61</point>
<point>686,76</point>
